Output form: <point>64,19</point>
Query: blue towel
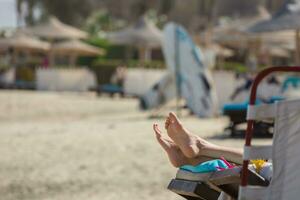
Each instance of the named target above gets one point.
<point>209,166</point>
<point>236,106</point>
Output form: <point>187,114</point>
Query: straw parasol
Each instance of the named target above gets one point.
<point>233,33</point>
<point>143,34</point>
<point>24,42</point>
<point>222,51</point>
<point>277,51</point>
<point>286,18</point>
<point>236,32</point>
<point>282,36</point>
<point>20,42</point>
<point>75,48</point>
<point>55,29</point>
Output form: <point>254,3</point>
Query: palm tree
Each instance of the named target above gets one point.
<point>30,5</point>
<point>19,11</point>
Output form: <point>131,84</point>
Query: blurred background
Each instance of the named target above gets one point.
<point>82,82</point>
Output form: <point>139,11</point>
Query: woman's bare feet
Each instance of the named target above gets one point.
<point>191,145</point>
<point>176,156</point>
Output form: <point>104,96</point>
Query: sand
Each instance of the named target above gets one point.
<point>78,146</point>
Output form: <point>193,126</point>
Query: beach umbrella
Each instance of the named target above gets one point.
<point>143,34</point>
<point>278,37</point>
<point>235,33</point>
<point>286,18</point>
<point>75,48</point>
<point>222,51</point>
<point>232,33</point>
<point>279,52</point>
<point>24,42</point>
<point>55,29</point>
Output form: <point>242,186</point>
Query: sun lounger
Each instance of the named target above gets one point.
<point>285,151</point>
<point>291,81</point>
<point>237,115</point>
<point>210,185</point>
<point>110,89</point>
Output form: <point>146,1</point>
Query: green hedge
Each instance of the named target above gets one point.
<point>239,67</point>
<point>33,62</point>
<point>234,66</point>
<point>104,71</point>
<point>154,64</point>
<point>111,51</point>
<point>3,67</point>
<point>25,74</point>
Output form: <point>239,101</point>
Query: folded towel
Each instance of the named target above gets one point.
<point>208,166</point>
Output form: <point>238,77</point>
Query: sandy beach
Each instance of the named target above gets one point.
<point>79,146</point>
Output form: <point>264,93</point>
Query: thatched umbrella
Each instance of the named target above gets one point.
<point>278,37</point>
<point>233,33</point>
<point>20,42</point>
<point>55,29</point>
<point>278,51</point>
<point>143,34</point>
<point>286,18</point>
<point>74,48</point>
<point>222,51</point>
<point>236,32</point>
<point>24,42</point>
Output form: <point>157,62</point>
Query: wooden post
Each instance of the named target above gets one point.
<point>28,55</point>
<point>147,55</point>
<point>51,58</point>
<point>72,61</point>
<point>142,53</point>
<point>51,55</point>
<point>14,57</point>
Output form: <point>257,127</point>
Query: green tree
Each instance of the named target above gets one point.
<point>102,20</point>
<point>69,11</point>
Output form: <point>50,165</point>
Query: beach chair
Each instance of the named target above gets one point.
<point>285,150</point>
<point>110,89</point>
<point>212,185</point>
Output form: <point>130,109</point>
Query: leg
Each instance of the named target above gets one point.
<point>176,157</point>
<point>193,146</point>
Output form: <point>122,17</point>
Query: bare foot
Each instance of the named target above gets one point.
<point>191,145</point>
<point>176,157</point>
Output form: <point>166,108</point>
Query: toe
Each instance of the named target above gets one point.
<point>166,145</point>
<point>173,118</point>
<point>167,124</point>
<point>157,130</point>
<point>168,120</point>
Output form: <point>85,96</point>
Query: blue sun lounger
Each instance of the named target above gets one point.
<point>237,114</point>
<point>110,89</point>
